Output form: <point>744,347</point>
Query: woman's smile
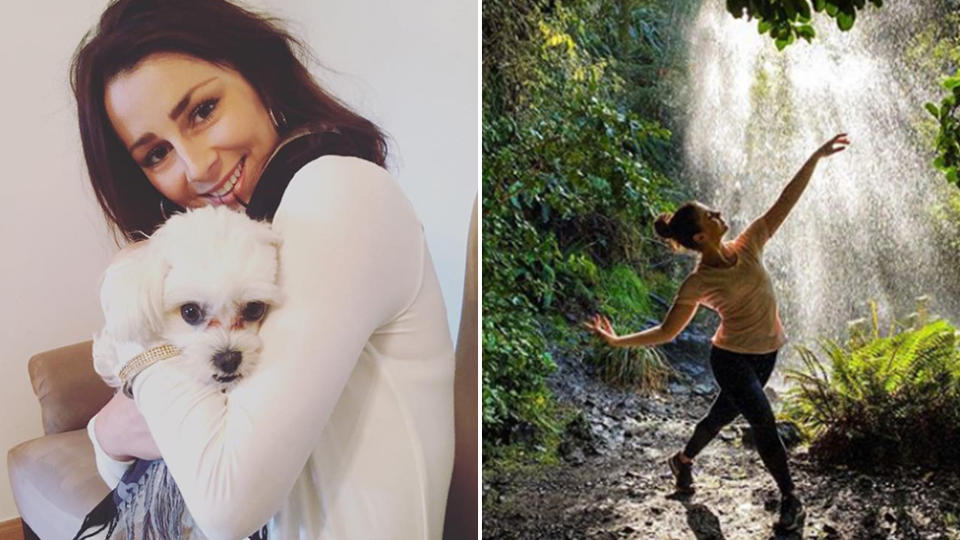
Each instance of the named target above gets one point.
<point>226,189</point>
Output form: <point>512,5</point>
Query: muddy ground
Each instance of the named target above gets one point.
<point>613,481</point>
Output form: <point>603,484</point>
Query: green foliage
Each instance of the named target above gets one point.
<point>788,20</point>
<point>948,138</point>
<point>514,392</point>
<point>624,296</point>
<point>891,399</point>
<point>643,368</point>
<point>572,178</point>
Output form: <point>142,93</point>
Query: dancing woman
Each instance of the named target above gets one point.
<point>730,279</point>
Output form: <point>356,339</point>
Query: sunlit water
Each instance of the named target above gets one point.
<point>863,229</point>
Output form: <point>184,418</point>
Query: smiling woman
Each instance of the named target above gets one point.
<point>346,429</point>
<point>177,100</point>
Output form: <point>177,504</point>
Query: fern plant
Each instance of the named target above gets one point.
<point>887,399</point>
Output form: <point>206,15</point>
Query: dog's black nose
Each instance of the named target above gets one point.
<point>227,361</point>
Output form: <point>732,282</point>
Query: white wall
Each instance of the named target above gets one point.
<point>409,66</point>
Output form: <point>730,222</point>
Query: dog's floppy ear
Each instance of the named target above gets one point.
<point>131,295</point>
<point>105,358</point>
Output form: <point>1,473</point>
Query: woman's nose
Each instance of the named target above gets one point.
<point>200,166</point>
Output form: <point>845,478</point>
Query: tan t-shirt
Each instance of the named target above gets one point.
<point>742,295</point>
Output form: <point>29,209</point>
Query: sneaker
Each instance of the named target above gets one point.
<point>792,515</point>
<point>683,474</point>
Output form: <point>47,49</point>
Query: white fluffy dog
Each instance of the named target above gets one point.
<point>203,283</point>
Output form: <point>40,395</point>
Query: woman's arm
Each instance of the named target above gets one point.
<point>676,320</point>
<point>351,259</point>
<point>121,432</point>
<point>791,194</point>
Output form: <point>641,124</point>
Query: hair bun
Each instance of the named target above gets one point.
<point>662,226</point>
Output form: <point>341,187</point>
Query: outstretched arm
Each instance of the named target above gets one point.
<point>791,194</point>
<point>676,320</point>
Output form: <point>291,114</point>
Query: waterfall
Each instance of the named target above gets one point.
<point>864,227</point>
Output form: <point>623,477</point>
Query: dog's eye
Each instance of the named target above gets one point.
<point>191,313</point>
<point>254,311</point>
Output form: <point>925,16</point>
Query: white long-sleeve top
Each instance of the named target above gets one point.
<point>345,429</point>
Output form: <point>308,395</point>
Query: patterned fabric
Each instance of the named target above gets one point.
<point>145,505</point>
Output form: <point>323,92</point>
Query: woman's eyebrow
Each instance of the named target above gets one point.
<point>174,113</point>
<point>182,104</point>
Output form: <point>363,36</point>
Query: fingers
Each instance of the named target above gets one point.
<point>607,325</point>
<point>838,143</point>
<point>594,325</point>
<point>600,325</point>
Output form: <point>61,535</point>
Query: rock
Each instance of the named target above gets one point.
<point>830,530</point>
<point>656,408</point>
<point>728,434</point>
<point>571,454</point>
<point>864,483</point>
<point>631,427</point>
<point>678,389</point>
<point>704,389</point>
<point>788,431</point>
<point>652,453</point>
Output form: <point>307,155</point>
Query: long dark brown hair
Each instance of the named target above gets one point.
<point>220,33</point>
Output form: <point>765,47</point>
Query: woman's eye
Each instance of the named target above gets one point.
<point>254,311</point>
<point>203,110</point>
<point>155,156</point>
<point>192,313</point>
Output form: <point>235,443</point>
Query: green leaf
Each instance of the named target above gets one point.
<point>764,26</point>
<point>806,32</point>
<point>932,109</point>
<point>951,82</point>
<point>952,175</point>
<point>819,5</point>
<point>845,20</point>
<point>804,9</point>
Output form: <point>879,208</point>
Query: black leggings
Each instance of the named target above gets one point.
<point>741,378</point>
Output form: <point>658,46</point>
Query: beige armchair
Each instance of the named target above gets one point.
<point>54,478</point>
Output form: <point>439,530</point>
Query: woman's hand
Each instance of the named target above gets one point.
<point>602,327</point>
<point>837,144</point>
<point>122,431</point>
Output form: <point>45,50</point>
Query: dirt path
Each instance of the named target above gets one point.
<point>614,483</point>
